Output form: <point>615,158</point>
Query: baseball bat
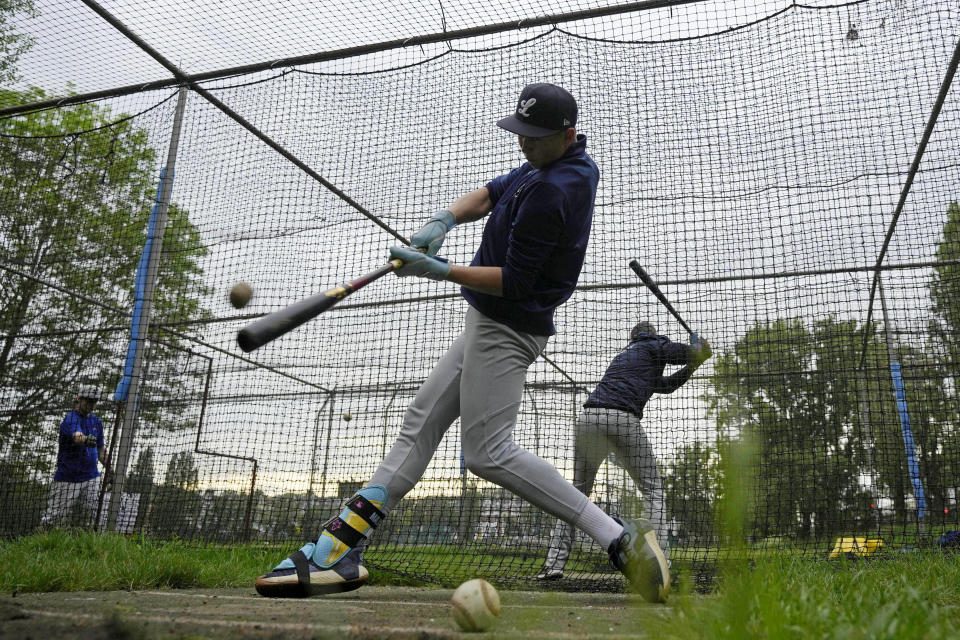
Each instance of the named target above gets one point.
<point>270,327</point>
<point>647,280</point>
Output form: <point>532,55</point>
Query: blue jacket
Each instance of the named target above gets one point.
<point>537,232</point>
<point>636,373</point>
<point>78,462</point>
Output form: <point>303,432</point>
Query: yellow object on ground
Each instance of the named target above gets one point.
<point>856,546</point>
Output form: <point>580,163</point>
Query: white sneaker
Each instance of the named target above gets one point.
<point>550,574</point>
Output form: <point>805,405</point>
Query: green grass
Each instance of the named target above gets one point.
<point>65,560</point>
<point>73,560</point>
<point>895,595</point>
<point>908,596</point>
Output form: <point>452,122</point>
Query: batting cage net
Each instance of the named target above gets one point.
<point>785,172</point>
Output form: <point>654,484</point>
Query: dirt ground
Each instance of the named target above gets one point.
<point>371,612</point>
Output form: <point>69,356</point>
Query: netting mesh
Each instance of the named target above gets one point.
<point>752,158</point>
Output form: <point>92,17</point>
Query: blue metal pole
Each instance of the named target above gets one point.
<point>913,468</point>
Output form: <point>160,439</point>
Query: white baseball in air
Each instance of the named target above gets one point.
<point>347,416</point>
<point>240,294</point>
<point>475,605</point>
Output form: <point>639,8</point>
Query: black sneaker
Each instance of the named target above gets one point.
<point>637,554</point>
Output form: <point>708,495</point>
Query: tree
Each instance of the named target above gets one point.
<point>223,517</point>
<point>945,290</point>
<point>23,498</point>
<point>182,472</point>
<point>939,372</point>
<point>141,477</point>
<point>177,503</point>
<point>76,190</point>
<point>690,485</point>
<point>12,44</point>
<point>141,480</point>
<point>794,391</point>
<point>932,408</point>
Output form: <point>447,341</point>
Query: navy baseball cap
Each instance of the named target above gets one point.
<point>542,110</point>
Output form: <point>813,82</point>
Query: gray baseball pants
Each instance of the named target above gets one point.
<point>480,379</point>
<point>63,495</point>
<point>598,433</point>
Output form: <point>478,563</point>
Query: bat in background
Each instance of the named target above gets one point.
<point>270,327</point>
<point>647,280</point>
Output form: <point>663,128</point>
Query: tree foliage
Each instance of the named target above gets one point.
<point>940,444</point>
<point>794,391</point>
<point>945,291</point>
<point>12,43</point>
<point>76,189</point>
<point>141,477</point>
<point>690,485</point>
<point>182,472</point>
<point>822,416</point>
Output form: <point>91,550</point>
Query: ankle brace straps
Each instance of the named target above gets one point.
<point>365,509</point>
<point>346,534</point>
<point>343,532</point>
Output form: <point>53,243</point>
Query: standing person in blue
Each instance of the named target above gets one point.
<point>610,423</point>
<point>80,447</point>
<point>528,263</point>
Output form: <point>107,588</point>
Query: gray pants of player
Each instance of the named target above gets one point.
<point>600,432</point>
<point>63,495</point>
<point>480,380</point>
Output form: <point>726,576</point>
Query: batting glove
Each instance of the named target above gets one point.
<point>702,347</point>
<point>430,237</point>
<point>419,264</point>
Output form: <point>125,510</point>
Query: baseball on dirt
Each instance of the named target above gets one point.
<point>240,295</point>
<point>476,605</point>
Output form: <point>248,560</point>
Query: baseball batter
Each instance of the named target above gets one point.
<point>610,423</point>
<point>538,220</point>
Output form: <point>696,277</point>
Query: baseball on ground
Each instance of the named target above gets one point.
<point>475,605</point>
<point>240,295</point>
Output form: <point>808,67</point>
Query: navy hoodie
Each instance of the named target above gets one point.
<point>636,373</point>
<point>537,232</point>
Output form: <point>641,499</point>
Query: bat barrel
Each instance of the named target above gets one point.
<point>258,333</point>
<point>248,341</point>
<point>272,326</point>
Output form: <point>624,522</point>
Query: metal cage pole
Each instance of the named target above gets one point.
<point>129,388</point>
